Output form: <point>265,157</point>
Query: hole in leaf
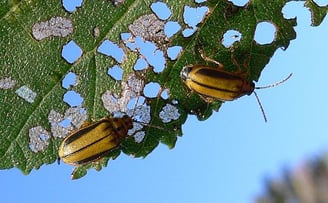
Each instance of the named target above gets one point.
<point>200,1</point>
<point>151,89</point>
<point>127,39</point>
<point>141,64</point>
<point>71,52</point>
<point>230,37</point>
<point>65,123</point>
<point>171,28</point>
<point>321,2</point>
<point>173,52</point>
<point>293,9</point>
<point>161,10</point>
<point>152,54</point>
<point>239,2</point>
<point>188,32</point>
<point>192,17</point>
<point>134,102</point>
<point>69,80</point>
<point>116,72</point>
<point>109,48</point>
<point>165,94</point>
<point>125,36</point>
<point>73,98</point>
<point>265,33</point>
<point>71,5</point>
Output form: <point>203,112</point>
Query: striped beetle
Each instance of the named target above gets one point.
<point>92,141</point>
<point>215,83</point>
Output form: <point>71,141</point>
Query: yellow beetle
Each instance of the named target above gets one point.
<point>92,141</point>
<point>215,83</point>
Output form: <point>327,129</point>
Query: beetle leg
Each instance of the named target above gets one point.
<point>242,70</point>
<point>202,54</point>
<point>207,99</point>
<point>84,124</point>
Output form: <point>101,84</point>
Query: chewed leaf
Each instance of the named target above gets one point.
<point>138,76</point>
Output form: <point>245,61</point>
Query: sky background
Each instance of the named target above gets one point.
<point>223,159</point>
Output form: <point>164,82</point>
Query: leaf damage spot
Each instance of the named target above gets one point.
<point>39,139</point>
<point>131,103</point>
<point>149,51</point>
<point>73,98</point>
<point>161,9</point>
<point>62,125</point>
<point>165,94</point>
<point>117,2</point>
<point>141,64</point>
<point>26,93</point>
<point>130,89</point>
<point>139,136</point>
<point>96,32</point>
<point>171,28</point>
<point>239,2</point>
<point>72,5</point>
<point>169,113</point>
<point>174,52</point>
<point>115,72</point>
<point>192,17</point>
<point>109,48</point>
<point>69,80</point>
<point>152,89</point>
<point>265,33</point>
<point>141,114</point>
<point>230,37</point>
<point>71,52</point>
<point>150,28</point>
<point>7,83</point>
<point>321,3</point>
<point>55,26</point>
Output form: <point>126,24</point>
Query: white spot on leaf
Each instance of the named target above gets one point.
<point>7,83</point>
<point>150,28</point>
<point>39,139</point>
<point>76,116</point>
<point>56,26</point>
<point>169,113</point>
<point>26,93</point>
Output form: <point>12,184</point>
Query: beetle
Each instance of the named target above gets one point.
<point>215,83</point>
<point>92,141</point>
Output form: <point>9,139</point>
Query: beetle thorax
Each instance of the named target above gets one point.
<point>247,88</point>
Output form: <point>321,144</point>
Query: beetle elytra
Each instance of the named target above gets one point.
<point>215,83</point>
<point>92,141</point>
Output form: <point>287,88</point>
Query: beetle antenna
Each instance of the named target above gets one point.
<point>261,107</point>
<point>275,84</point>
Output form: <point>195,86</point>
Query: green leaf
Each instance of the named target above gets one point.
<point>32,70</point>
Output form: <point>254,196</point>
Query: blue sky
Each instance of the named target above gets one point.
<point>223,159</point>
